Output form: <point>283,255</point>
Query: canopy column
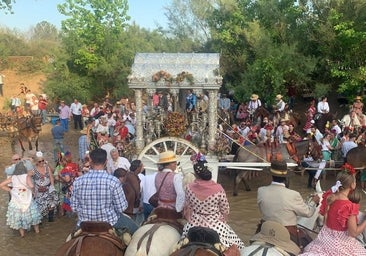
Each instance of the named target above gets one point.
<point>139,127</point>
<point>212,117</point>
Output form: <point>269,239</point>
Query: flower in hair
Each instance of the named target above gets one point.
<point>336,187</point>
<point>349,168</point>
<point>198,157</point>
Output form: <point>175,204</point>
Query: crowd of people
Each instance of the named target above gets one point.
<point>99,175</point>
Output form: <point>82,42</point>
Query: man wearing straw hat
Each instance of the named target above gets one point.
<point>254,103</point>
<point>278,203</point>
<point>169,185</point>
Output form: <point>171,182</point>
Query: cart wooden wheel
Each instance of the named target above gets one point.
<point>181,147</point>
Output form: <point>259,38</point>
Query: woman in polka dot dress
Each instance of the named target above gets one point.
<point>207,205</point>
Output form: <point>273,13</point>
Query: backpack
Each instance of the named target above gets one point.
<point>20,168</point>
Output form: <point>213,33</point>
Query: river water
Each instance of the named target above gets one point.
<point>244,213</point>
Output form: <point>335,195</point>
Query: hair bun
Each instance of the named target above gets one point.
<point>201,170</point>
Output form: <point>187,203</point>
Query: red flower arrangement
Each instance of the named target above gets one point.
<point>349,168</point>
<point>175,124</point>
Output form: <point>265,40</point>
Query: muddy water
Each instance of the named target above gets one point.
<point>243,218</point>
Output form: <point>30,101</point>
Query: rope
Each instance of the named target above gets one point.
<point>241,146</point>
<point>223,120</point>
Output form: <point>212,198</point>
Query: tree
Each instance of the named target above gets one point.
<point>6,5</point>
<point>44,31</point>
<point>92,36</point>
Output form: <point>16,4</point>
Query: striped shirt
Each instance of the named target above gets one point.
<point>98,196</point>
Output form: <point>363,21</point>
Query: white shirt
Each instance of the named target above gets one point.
<point>121,162</point>
<point>323,107</point>
<point>108,147</point>
<point>253,105</point>
<point>75,108</point>
<point>281,105</point>
<point>148,187</point>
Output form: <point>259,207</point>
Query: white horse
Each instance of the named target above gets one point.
<point>261,249</point>
<point>153,240</point>
<point>158,239</point>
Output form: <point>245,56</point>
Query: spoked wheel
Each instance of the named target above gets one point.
<point>181,147</point>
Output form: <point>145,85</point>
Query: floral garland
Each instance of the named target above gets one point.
<point>184,75</point>
<point>169,78</point>
<point>174,124</point>
<point>162,75</point>
<point>349,168</point>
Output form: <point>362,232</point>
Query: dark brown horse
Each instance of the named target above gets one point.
<point>260,113</point>
<point>95,238</point>
<point>29,128</point>
<point>357,157</point>
<point>321,120</point>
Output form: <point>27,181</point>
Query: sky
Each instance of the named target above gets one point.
<point>27,13</point>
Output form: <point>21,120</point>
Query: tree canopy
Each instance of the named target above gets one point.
<point>265,45</point>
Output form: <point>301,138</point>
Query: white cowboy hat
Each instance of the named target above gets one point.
<point>254,97</point>
<point>167,157</point>
<point>276,234</point>
<point>278,97</point>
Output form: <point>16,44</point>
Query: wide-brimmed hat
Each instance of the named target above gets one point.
<point>276,234</point>
<point>278,168</point>
<point>167,157</point>
<point>84,131</point>
<point>358,98</point>
<point>278,97</point>
<point>254,97</point>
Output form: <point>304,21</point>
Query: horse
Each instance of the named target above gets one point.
<point>348,122</point>
<point>259,114</point>
<point>224,116</point>
<point>292,153</point>
<point>29,128</point>
<point>321,120</point>
<point>94,238</point>
<point>157,236</point>
<point>163,229</point>
<point>356,157</point>
<point>200,241</point>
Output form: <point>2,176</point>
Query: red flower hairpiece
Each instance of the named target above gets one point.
<point>349,168</point>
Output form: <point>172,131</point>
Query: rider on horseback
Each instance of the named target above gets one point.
<point>278,203</point>
<point>254,103</point>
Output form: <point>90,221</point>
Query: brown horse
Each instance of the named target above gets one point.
<point>321,120</point>
<point>292,153</point>
<point>29,128</point>
<point>258,115</point>
<point>94,238</point>
<point>356,157</point>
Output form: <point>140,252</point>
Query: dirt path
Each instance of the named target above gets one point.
<point>13,79</point>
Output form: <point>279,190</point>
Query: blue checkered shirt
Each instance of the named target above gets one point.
<point>98,196</point>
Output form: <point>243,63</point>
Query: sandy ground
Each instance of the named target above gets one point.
<point>12,80</point>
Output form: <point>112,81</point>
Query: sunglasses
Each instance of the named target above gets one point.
<point>16,159</point>
<point>41,161</point>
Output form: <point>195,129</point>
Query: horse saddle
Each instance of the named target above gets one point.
<point>95,226</point>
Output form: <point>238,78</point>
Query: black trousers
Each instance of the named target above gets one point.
<point>77,121</point>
